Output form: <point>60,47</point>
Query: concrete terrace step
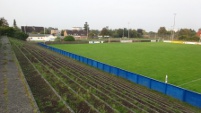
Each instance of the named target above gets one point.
<point>15,96</point>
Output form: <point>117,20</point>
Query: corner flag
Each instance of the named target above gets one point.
<point>166,79</point>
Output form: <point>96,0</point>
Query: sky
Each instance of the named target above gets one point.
<point>149,15</point>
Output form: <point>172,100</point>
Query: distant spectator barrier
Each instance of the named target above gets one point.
<point>126,41</point>
<point>182,42</point>
<point>184,95</point>
<point>95,42</point>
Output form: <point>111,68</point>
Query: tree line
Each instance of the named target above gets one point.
<point>14,31</point>
<point>182,34</point>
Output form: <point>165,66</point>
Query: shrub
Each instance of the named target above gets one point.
<point>57,39</point>
<point>69,38</point>
<point>183,37</point>
<point>195,38</point>
<point>20,35</point>
<point>13,32</point>
<point>187,38</point>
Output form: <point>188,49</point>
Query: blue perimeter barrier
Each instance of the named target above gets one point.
<point>184,95</point>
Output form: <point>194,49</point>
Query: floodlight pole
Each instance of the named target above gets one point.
<point>128,29</point>
<point>123,33</point>
<point>173,27</point>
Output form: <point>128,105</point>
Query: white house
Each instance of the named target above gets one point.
<point>41,37</point>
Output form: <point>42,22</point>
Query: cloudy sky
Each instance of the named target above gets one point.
<point>65,14</point>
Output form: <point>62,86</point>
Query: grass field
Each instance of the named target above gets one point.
<point>180,62</point>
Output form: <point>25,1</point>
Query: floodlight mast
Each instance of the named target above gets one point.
<point>128,29</point>
<point>173,27</point>
<point>123,33</point>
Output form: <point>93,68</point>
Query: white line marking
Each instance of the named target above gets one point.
<point>190,82</point>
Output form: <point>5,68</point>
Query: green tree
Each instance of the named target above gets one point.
<point>162,31</point>
<point>86,27</point>
<point>93,33</point>
<point>20,35</point>
<point>3,22</point>
<point>62,32</point>
<point>139,33</point>
<point>69,38</point>
<point>152,34</point>
<point>133,33</point>
<point>104,32</point>
<point>14,24</point>
<point>187,34</point>
<point>11,31</point>
<point>119,33</point>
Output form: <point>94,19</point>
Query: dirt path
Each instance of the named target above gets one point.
<point>15,96</point>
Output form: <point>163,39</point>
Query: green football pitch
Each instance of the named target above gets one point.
<point>182,63</point>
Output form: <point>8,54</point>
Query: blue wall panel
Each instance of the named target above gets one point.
<point>81,59</point>
<point>175,92</point>
<point>193,98</point>
<point>55,49</point>
<point>85,60</point>
<point>90,62</point>
<point>67,54</point>
<point>132,77</point>
<point>122,73</point>
<point>70,55</point>
<point>52,48</point>
<point>144,81</point>
<point>64,52</point>
<point>158,86</point>
<point>100,66</point>
<point>114,71</point>
<point>76,57</point>
<point>73,56</point>
<point>61,52</point>
<point>106,68</point>
<point>95,64</point>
